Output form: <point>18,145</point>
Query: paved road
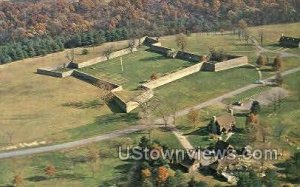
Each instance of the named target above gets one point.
<point>69,145</point>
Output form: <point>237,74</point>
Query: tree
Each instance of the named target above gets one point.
<point>271,179</point>
<point>248,179</point>
<point>181,179</point>
<point>144,142</point>
<point>261,60</point>
<point>171,182</point>
<point>193,183</point>
<point>108,52</point>
<point>255,107</point>
<point>181,41</point>
<point>162,175</point>
<point>298,90</point>
<point>93,157</point>
<point>193,117</point>
<point>251,119</point>
<point>146,173</point>
<point>154,76</point>
<point>131,44</point>
<point>279,79</point>
<point>50,170</point>
<point>70,55</point>
<point>18,180</point>
<point>84,52</point>
<point>277,64</point>
<point>261,35</point>
<point>147,183</point>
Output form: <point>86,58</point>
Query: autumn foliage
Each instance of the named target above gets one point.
<point>50,170</point>
<point>162,174</point>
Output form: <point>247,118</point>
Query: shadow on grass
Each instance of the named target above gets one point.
<point>114,107</point>
<point>153,59</point>
<point>202,131</point>
<point>103,124</point>
<point>67,176</point>
<point>123,176</point>
<point>84,105</point>
<point>36,178</point>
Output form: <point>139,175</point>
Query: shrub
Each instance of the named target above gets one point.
<point>85,52</point>
<point>261,60</point>
<point>154,76</point>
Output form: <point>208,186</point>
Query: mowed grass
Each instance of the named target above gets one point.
<point>36,107</point>
<point>287,115</point>
<point>73,168</point>
<point>201,44</point>
<point>272,33</point>
<point>138,68</point>
<point>202,86</point>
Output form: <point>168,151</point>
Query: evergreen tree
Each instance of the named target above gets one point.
<point>271,179</point>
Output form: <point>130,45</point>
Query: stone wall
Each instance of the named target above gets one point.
<point>149,41</point>
<point>133,103</point>
<point>94,80</point>
<point>236,61</point>
<point>160,49</point>
<point>52,71</point>
<point>102,58</point>
<point>173,76</point>
<point>188,56</point>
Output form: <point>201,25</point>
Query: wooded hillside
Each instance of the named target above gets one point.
<point>85,22</point>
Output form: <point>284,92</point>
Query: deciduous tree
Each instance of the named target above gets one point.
<point>181,41</point>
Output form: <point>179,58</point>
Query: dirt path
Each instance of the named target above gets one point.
<point>280,51</point>
<point>74,144</point>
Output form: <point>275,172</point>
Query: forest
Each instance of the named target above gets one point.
<point>38,27</point>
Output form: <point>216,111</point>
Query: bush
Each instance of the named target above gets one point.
<point>154,76</point>
<point>261,60</point>
<point>85,52</point>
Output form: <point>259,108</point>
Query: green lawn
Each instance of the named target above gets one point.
<point>203,86</point>
<point>272,33</point>
<point>138,67</point>
<point>73,168</point>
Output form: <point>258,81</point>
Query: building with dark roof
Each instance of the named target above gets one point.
<point>286,41</point>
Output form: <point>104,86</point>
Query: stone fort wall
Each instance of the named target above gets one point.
<point>103,58</point>
<point>173,76</point>
<point>128,106</point>
<point>237,61</point>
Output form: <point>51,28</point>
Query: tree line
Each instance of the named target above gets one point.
<point>40,46</point>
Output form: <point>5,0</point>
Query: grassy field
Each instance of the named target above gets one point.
<point>74,167</point>
<point>62,109</point>
<point>138,67</point>
<point>36,107</point>
<point>272,33</point>
<point>203,86</point>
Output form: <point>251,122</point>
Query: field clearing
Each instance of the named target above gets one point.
<point>138,67</point>
<point>203,86</point>
<point>61,109</point>
<point>200,43</point>
<point>36,103</point>
<point>273,32</point>
<point>73,167</point>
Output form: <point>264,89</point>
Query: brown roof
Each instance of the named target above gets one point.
<point>226,121</point>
